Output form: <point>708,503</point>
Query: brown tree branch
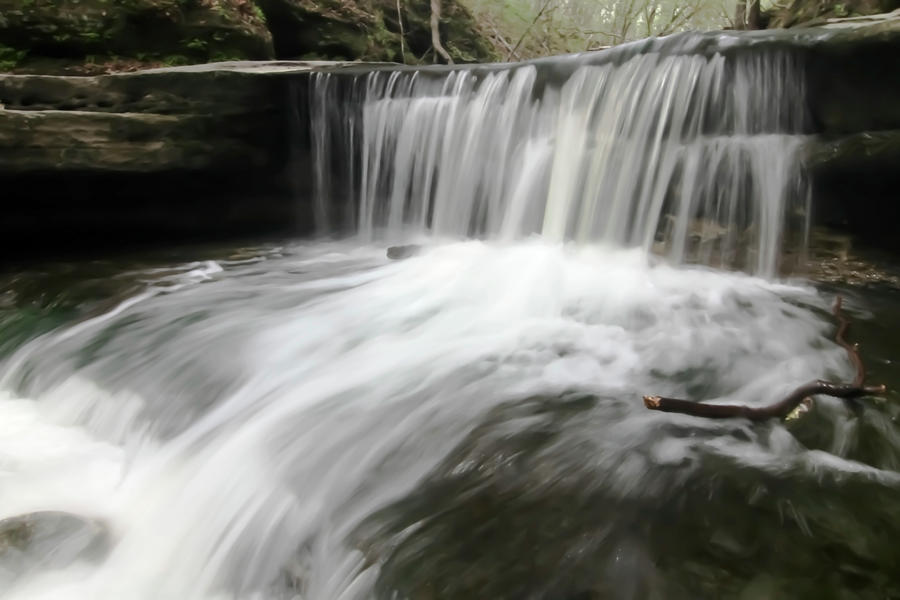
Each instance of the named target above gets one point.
<point>502,40</point>
<point>782,408</point>
<point>528,29</point>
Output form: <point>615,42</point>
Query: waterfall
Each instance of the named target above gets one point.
<point>310,420</point>
<point>692,155</point>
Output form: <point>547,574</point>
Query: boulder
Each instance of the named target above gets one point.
<point>401,252</point>
<point>48,540</point>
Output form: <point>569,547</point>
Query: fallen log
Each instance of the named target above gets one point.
<point>782,408</point>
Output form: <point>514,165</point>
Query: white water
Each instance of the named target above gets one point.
<point>689,155</point>
<point>237,426</point>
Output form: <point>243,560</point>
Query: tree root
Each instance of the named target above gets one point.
<point>782,408</point>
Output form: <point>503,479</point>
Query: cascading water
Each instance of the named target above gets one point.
<point>313,421</point>
<point>665,150</point>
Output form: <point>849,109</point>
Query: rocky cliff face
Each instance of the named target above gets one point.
<point>95,36</point>
<point>115,159</point>
<point>853,90</point>
<point>221,149</point>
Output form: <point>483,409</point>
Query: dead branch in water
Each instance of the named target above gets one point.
<point>782,408</point>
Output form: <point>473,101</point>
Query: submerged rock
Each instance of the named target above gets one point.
<point>48,540</point>
<point>540,501</point>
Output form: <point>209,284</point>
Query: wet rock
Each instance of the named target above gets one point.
<point>853,76</point>
<point>530,505</point>
<point>856,182</point>
<point>401,252</point>
<point>160,155</point>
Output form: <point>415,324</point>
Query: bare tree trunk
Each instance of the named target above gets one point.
<point>435,32</point>
<point>752,14</point>
<point>747,14</point>
<point>740,15</point>
<point>402,35</point>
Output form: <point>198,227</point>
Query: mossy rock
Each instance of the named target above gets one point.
<point>800,13</point>
<point>369,30</point>
<point>83,30</point>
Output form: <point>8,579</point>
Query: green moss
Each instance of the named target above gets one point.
<point>257,11</point>
<point>10,57</point>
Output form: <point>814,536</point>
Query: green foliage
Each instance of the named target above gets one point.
<point>10,57</point>
<point>257,11</point>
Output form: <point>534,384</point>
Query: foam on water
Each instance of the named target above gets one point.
<point>303,393</point>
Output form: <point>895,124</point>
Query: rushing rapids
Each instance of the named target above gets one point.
<point>314,421</point>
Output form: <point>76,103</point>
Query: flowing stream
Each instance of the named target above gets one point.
<point>311,420</point>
